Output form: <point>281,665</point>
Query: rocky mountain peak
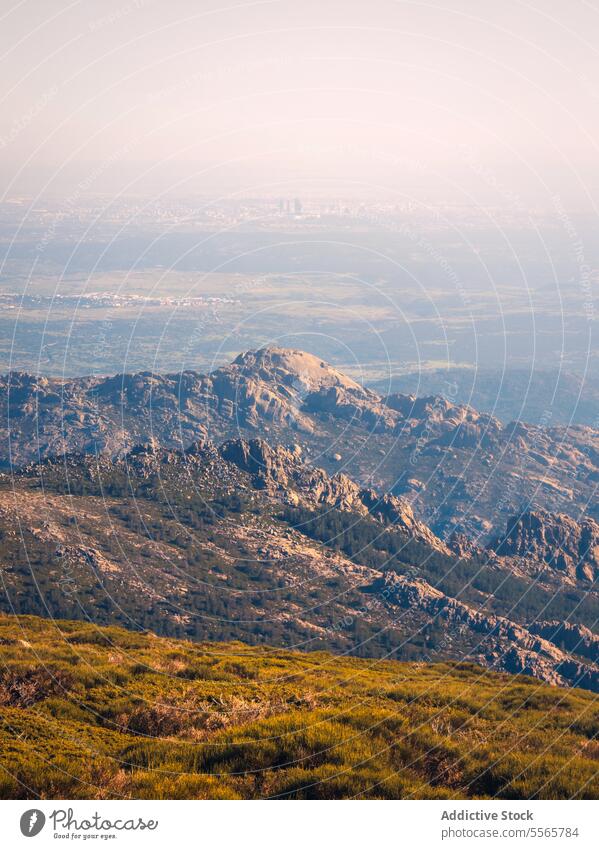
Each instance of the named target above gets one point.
<point>290,367</point>
<point>277,468</point>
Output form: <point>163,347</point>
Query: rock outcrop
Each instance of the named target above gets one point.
<point>570,636</point>
<point>284,470</point>
<point>503,644</point>
<point>209,526</point>
<point>555,539</point>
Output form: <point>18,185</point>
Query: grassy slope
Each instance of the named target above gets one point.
<point>88,712</point>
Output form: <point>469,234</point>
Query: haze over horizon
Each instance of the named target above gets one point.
<point>389,100</point>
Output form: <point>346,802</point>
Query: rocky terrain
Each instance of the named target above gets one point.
<point>565,545</point>
<point>245,540</point>
<point>462,471</point>
<point>504,644</point>
<point>278,501</point>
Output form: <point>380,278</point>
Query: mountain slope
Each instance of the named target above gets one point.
<point>510,392</point>
<point>462,471</point>
<point>97,713</point>
<point>248,541</point>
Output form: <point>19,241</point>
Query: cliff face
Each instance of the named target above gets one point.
<point>283,469</point>
<point>558,540</point>
<point>572,637</point>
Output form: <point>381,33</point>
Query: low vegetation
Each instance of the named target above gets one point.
<point>89,712</point>
<point>471,579</point>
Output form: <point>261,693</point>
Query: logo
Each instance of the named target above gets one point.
<point>32,822</point>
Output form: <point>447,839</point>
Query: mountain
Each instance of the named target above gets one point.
<point>552,395</point>
<point>252,542</point>
<point>462,471</point>
<point>104,713</point>
<point>557,540</point>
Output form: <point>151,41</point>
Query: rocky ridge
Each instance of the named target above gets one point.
<point>462,471</point>
<point>504,644</point>
<point>283,470</point>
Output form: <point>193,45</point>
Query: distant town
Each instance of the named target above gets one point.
<point>13,300</point>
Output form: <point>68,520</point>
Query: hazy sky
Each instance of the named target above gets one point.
<point>455,99</point>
